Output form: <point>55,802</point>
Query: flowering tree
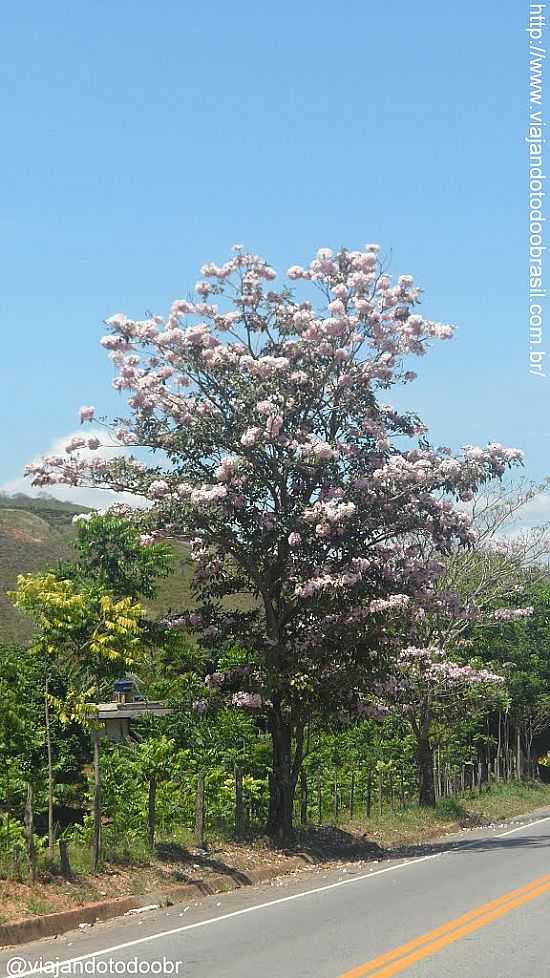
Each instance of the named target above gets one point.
<point>427,686</point>
<point>470,588</point>
<point>286,475</point>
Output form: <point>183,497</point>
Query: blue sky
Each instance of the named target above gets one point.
<point>141,139</point>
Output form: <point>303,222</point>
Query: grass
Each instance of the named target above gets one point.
<point>415,824</point>
<point>37,905</point>
<point>505,801</point>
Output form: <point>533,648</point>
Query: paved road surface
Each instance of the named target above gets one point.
<point>476,906</point>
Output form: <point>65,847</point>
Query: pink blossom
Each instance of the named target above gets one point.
<point>295,271</point>
<point>181,307</point>
<point>208,494</point>
<point>339,292</point>
<point>159,488</point>
<point>320,450</point>
<point>74,444</point>
<point>203,288</point>
<point>250,437</point>
<point>337,308</point>
<point>247,701</point>
<point>512,614</point>
<point>226,470</point>
<point>266,407</point>
<point>126,437</point>
<point>216,679</point>
<point>87,413</point>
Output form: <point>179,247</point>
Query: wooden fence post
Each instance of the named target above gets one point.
<point>96,838</point>
<point>239,811</point>
<point>17,862</point>
<point>368,800</point>
<point>303,798</point>
<point>66,871</point>
<point>29,832</point>
<point>199,812</point>
<point>151,812</point>
<point>519,772</point>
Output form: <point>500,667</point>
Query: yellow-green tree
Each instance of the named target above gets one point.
<point>83,627</point>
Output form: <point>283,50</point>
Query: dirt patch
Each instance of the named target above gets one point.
<point>171,865</point>
<point>21,535</point>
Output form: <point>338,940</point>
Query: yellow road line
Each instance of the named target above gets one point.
<point>421,947</point>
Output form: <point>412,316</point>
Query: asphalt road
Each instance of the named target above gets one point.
<point>477,905</point>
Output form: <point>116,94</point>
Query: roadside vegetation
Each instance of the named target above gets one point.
<point>176,860</point>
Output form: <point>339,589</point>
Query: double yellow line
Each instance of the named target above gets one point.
<point>392,962</point>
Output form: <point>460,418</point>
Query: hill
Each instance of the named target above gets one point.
<point>34,534</point>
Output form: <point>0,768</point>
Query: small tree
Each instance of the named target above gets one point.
<point>154,759</point>
<point>428,687</point>
<point>112,557</point>
<point>86,627</point>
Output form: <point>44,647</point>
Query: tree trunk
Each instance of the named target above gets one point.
<point>282,783</point>
<point>303,798</point>
<point>96,837</point>
<point>151,812</point>
<point>51,833</point>
<point>29,832</point>
<point>199,811</point>
<point>425,770</point>
<point>239,802</point>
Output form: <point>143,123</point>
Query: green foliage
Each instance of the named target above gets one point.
<point>521,650</point>
<point>21,722</point>
<point>90,628</point>
<point>110,554</point>
<point>86,625</point>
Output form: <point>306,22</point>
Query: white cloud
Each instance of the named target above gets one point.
<point>536,511</point>
<point>95,498</point>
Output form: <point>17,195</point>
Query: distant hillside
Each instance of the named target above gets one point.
<point>37,533</point>
<point>34,533</point>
